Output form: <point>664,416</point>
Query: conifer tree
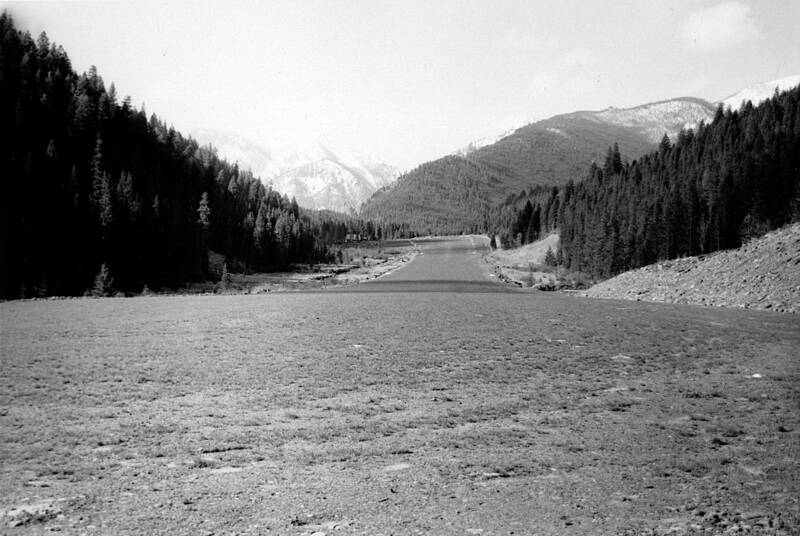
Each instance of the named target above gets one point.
<point>204,212</point>
<point>103,283</point>
<point>101,188</point>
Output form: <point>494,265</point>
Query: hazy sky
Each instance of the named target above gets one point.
<point>409,80</point>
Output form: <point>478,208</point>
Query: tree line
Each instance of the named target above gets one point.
<point>713,188</point>
<point>91,184</point>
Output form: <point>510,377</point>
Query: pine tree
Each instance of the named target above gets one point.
<point>260,228</point>
<point>550,258</point>
<point>204,212</point>
<point>101,188</point>
<point>103,283</point>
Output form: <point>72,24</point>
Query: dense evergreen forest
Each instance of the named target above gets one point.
<point>89,182</point>
<point>733,179</point>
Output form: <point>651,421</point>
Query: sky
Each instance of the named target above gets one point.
<point>411,80</point>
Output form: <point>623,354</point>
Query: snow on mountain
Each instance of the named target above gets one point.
<point>651,120</point>
<point>655,119</point>
<point>473,146</point>
<point>235,148</point>
<point>318,174</point>
<point>335,179</point>
<point>321,175</point>
<point>760,92</point>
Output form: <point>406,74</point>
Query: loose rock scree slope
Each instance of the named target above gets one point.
<point>431,404</point>
<point>762,274</point>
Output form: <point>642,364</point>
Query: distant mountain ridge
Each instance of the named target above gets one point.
<point>691,118</point>
<point>546,152</point>
<point>315,173</point>
<point>451,194</point>
<point>652,119</point>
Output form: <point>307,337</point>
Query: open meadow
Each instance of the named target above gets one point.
<point>411,405</point>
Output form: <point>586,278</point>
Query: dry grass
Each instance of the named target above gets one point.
<point>525,267</point>
<point>434,413</point>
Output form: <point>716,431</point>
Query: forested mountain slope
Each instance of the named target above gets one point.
<point>91,181</point>
<point>735,178</point>
<point>725,182</point>
<point>454,193</point>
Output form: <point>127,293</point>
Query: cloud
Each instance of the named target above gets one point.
<point>721,26</point>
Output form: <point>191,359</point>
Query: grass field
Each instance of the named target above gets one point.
<point>392,413</point>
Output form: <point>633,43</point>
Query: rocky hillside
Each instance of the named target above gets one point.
<point>762,274</point>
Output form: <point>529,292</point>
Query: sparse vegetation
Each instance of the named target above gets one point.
<point>541,398</point>
<point>535,265</point>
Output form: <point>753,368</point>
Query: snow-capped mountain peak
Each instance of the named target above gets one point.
<point>758,93</point>
<point>316,172</point>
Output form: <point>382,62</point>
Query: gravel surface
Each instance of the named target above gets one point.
<point>762,274</point>
<point>430,401</point>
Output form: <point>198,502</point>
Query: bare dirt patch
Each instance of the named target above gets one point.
<point>525,267</point>
<point>762,274</point>
<point>534,252</point>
